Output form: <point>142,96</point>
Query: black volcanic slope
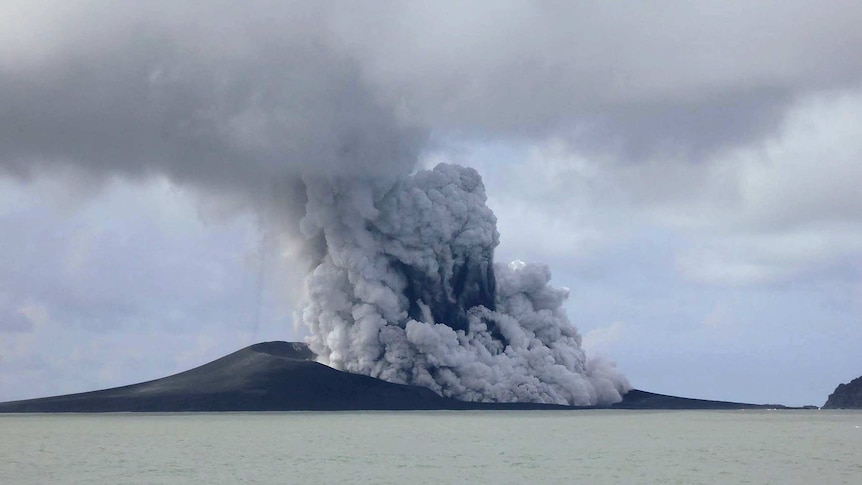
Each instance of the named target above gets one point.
<point>281,376</point>
<point>637,399</point>
<point>269,376</point>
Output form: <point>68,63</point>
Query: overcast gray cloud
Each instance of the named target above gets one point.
<point>651,76</point>
<point>189,91</point>
<point>724,132</point>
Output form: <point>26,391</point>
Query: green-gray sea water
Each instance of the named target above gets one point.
<point>435,447</point>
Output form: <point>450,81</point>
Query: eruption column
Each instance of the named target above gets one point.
<point>407,291</point>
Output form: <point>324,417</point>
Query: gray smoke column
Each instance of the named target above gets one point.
<point>408,291</point>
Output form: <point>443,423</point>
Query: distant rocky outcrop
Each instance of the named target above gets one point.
<point>846,396</point>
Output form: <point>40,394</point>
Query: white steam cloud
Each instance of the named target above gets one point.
<point>408,291</point>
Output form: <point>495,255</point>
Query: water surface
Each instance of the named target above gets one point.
<point>435,447</point>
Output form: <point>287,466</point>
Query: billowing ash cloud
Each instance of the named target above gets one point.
<point>408,291</point>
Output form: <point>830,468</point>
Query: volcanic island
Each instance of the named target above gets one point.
<point>283,376</point>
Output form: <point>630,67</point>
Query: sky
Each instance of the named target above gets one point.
<point>688,170</point>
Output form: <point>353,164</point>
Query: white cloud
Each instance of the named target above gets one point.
<point>808,173</point>
<point>796,209</point>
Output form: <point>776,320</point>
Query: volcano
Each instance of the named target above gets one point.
<point>283,376</point>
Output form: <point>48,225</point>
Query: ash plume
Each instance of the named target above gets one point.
<point>408,292</point>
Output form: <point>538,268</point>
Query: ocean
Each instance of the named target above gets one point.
<point>499,447</point>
